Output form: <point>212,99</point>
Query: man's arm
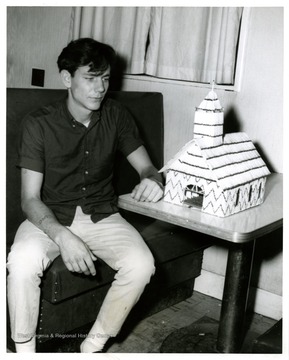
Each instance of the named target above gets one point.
<point>75,254</point>
<point>150,187</point>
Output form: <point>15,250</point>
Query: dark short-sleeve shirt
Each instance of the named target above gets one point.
<point>77,162</point>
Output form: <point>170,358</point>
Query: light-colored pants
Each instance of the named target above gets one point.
<point>112,239</point>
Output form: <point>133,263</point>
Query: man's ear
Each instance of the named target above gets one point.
<point>66,78</point>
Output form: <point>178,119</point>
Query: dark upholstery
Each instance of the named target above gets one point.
<point>178,252</point>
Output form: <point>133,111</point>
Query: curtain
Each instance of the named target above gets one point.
<point>124,28</point>
<point>201,45</point>
<point>184,43</point>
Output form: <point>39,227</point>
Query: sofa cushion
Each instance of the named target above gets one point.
<point>59,283</point>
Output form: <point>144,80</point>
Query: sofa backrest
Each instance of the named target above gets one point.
<point>145,107</point>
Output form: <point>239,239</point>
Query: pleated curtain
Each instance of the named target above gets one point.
<point>196,44</point>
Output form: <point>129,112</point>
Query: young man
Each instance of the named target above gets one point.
<point>66,159</point>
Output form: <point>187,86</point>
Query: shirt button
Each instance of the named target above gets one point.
<point>83,189</point>
<point>86,152</point>
<point>86,172</point>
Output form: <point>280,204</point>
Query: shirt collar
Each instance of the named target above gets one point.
<point>95,117</point>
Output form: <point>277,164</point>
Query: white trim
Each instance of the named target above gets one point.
<point>210,283</point>
<point>266,303</point>
<point>242,48</point>
<point>239,64</point>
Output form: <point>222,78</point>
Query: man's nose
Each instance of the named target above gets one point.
<point>98,85</point>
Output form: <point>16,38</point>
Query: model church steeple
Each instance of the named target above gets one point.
<point>209,120</point>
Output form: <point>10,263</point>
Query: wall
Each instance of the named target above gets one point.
<point>256,109</point>
<point>35,38</point>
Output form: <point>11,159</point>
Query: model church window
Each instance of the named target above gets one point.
<point>237,197</point>
<point>194,195</point>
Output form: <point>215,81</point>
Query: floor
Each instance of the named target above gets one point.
<point>148,334</point>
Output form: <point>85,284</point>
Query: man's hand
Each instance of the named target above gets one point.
<point>76,255</point>
<point>148,190</point>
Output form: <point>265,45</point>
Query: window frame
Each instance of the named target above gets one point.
<point>244,30</point>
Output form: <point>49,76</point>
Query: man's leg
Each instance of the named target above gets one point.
<point>30,255</point>
<point>116,242</point>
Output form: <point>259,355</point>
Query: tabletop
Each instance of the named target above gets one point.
<point>241,227</point>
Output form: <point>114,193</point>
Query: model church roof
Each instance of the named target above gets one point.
<point>231,164</point>
<point>231,160</point>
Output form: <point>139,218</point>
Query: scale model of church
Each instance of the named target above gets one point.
<point>221,174</point>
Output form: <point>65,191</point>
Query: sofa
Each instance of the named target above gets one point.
<point>65,296</point>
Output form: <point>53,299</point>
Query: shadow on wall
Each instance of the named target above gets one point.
<point>267,248</point>
<point>116,78</point>
<point>231,122</point>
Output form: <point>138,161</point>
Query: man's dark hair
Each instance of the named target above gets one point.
<point>86,51</point>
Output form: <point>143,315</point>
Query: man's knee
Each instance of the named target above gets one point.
<point>24,263</point>
<point>142,268</point>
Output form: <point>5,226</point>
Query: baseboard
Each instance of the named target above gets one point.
<point>260,301</point>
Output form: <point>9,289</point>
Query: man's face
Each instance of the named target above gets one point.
<point>87,89</point>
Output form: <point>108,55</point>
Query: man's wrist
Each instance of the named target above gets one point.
<point>160,183</point>
<point>60,234</point>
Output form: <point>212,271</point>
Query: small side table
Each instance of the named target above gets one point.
<point>240,232</point>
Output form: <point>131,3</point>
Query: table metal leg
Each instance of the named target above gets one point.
<point>235,295</point>
<point>226,336</point>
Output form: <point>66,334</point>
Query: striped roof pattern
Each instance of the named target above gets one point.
<point>233,163</point>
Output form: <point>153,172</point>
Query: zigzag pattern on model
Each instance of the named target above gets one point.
<point>214,195</point>
<point>174,184</point>
<point>228,210</point>
<point>172,196</point>
<point>215,205</point>
<point>173,189</point>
